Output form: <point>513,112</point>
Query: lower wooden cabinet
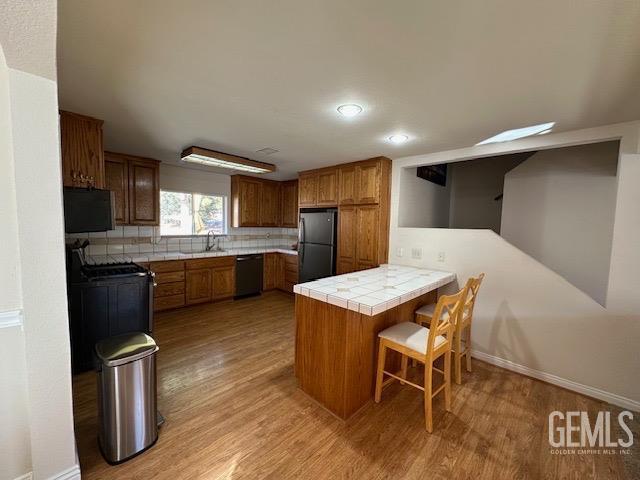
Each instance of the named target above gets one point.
<point>198,286</point>
<point>224,282</point>
<point>270,271</point>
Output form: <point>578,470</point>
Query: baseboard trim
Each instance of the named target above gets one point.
<point>593,392</point>
<point>71,473</point>
<point>11,319</point>
<point>26,476</point>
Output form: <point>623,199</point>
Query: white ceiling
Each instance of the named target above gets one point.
<point>238,76</point>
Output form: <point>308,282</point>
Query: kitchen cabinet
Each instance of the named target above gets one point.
<point>346,240</point>
<point>224,282</point>
<point>307,189</point>
<point>170,285</point>
<point>289,204</point>
<point>198,286</point>
<point>362,192</point>
<point>81,150</point>
<point>135,182</point>
<point>270,271</point>
<point>347,185</point>
<point>290,270</point>
<point>270,204</point>
<point>257,202</point>
<point>327,188</point>
<point>245,201</point>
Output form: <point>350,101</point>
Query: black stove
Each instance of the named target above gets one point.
<point>105,299</point>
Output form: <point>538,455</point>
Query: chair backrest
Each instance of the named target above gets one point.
<point>445,317</point>
<point>472,286</point>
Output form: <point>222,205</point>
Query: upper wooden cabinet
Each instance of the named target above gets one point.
<point>347,185</point>
<point>367,181</point>
<point>135,182</point>
<point>257,202</point>
<point>289,204</point>
<point>82,150</point>
<point>270,204</point>
<point>308,189</point>
<point>327,188</point>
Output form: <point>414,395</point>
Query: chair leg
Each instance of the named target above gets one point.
<point>382,353</point>
<point>457,355</point>
<point>468,345</point>
<point>428,399</point>
<point>403,369</point>
<point>447,381</point>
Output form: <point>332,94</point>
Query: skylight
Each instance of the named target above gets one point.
<point>516,133</point>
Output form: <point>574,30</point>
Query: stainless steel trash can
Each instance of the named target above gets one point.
<point>126,395</point>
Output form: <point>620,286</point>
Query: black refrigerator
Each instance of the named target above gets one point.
<point>317,243</point>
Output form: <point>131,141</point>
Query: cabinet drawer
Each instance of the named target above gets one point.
<point>290,261</point>
<point>211,262</point>
<point>165,303</point>
<point>167,266</point>
<point>166,289</point>
<point>169,277</point>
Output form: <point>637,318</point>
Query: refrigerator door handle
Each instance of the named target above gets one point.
<point>301,232</point>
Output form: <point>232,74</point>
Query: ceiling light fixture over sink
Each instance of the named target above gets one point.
<point>212,158</point>
<point>349,110</point>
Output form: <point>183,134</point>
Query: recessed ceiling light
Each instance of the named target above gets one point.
<point>349,110</point>
<point>398,138</point>
<point>516,133</point>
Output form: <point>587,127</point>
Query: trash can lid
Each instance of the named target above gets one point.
<point>125,348</point>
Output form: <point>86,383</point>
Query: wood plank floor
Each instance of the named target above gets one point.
<point>232,408</point>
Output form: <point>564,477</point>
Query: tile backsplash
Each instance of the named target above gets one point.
<point>141,240</point>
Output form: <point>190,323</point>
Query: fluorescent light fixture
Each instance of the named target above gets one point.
<point>398,138</point>
<point>516,133</point>
<point>212,158</point>
<point>349,110</point>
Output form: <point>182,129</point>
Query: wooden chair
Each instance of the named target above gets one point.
<point>462,326</point>
<point>424,345</point>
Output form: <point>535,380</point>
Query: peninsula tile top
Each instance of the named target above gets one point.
<point>375,290</point>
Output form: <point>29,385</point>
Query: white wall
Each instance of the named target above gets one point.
<point>15,449</point>
<point>474,187</point>
<point>424,203</point>
<point>559,208</point>
<point>36,420</point>
<point>528,318</point>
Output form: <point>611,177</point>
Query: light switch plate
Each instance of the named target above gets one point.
<point>399,252</point>
<point>416,253</point>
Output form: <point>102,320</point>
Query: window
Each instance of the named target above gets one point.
<point>183,213</point>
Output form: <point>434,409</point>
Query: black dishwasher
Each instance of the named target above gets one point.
<point>248,275</point>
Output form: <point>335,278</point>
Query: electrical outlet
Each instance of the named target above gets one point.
<point>399,252</point>
<point>441,256</point>
<point>416,253</point>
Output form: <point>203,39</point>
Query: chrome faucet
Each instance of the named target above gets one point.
<point>212,236</point>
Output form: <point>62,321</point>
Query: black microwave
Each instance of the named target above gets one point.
<point>88,210</point>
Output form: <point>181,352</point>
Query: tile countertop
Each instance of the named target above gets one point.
<point>157,257</point>
<point>376,290</point>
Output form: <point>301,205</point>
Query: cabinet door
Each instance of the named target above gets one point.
<point>81,150</point>
<point>270,271</point>
<point>346,240</point>
<point>367,236</point>
<point>224,282</point>
<point>368,182</point>
<point>327,188</point>
<point>280,266</point>
<point>116,172</point>
<point>347,185</point>
<point>249,196</point>
<point>198,286</point>
<point>270,204</point>
<point>144,192</point>
<point>307,190</point>
<point>289,207</point>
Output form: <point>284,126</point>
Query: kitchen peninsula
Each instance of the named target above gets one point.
<point>337,323</point>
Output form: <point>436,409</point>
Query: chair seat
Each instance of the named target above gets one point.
<point>411,335</point>
<point>426,310</point>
